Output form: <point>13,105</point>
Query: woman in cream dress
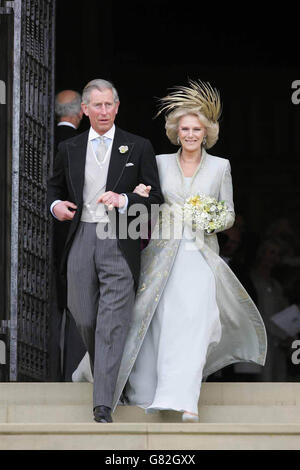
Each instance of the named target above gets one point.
<point>191,315</point>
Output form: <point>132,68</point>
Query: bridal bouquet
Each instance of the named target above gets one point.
<point>206,212</point>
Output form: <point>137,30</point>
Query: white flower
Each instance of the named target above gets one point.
<point>123,149</point>
<point>208,213</point>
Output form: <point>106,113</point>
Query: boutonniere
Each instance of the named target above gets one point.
<point>123,149</point>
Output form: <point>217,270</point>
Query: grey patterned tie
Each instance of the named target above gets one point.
<point>101,149</point>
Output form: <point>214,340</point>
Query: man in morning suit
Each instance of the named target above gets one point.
<point>96,171</point>
<point>68,115</point>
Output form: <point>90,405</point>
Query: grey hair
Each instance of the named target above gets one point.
<point>98,84</point>
<point>68,109</point>
<point>172,123</point>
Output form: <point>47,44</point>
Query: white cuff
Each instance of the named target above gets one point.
<point>52,205</point>
<point>123,209</point>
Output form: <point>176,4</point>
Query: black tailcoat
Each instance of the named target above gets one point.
<point>68,180</point>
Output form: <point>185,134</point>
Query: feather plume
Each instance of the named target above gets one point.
<point>199,95</point>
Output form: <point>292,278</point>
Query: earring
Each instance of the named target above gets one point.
<point>204,141</point>
<point>178,140</point>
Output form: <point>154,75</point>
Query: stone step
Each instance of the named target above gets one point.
<point>149,436</point>
<point>232,416</point>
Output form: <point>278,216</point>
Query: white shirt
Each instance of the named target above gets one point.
<point>108,139</point>
<point>108,136</point>
<point>66,123</point>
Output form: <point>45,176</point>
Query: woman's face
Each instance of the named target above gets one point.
<point>191,132</point>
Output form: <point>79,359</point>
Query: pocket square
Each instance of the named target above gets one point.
<point>129,164</point>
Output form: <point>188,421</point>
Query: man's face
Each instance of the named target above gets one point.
<point>101,110</point>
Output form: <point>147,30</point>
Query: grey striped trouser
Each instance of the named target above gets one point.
<point>100,298</point>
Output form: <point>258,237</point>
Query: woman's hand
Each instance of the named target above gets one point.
<point>142,190</point>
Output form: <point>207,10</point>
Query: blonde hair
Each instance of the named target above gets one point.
<point>172,124</point>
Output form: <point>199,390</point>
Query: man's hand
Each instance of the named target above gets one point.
<point>62,212</point>
<point>112,200</point>
<point>142,190</point>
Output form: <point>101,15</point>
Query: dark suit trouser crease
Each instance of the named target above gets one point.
<point>100,298</point>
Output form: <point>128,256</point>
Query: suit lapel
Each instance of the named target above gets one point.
<point>118,159</point>
<point>76,160</point>
<point>77,157</point>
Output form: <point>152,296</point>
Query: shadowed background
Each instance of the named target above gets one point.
<point>147,47</point>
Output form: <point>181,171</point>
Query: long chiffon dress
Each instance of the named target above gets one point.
<point>191,316</point>
<point>168,371</point>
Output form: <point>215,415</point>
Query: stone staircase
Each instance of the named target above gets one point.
<point>48,416</point>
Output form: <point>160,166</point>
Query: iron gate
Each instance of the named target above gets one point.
<point>32,154</point>
<point>6,61</point>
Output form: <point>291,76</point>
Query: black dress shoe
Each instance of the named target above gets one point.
<point>102,414</point>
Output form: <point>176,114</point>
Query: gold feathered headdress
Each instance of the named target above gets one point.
<point>198,96</point>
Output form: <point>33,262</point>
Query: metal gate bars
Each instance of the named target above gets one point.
<point>32,154</point>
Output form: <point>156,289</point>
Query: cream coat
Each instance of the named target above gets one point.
<point>243,333</point>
